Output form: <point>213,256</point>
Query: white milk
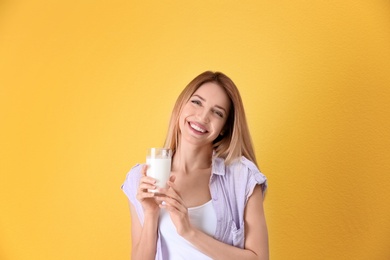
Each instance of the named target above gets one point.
<point>160,169</point>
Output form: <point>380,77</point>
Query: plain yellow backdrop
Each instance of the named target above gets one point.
<point>87,86</point>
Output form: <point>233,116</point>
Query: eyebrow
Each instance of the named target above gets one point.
<point>196,95</point>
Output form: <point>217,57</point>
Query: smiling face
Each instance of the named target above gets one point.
<point>204,115</point>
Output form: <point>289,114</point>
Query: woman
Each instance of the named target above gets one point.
<point>213,206</point>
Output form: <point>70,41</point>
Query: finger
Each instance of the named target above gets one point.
<point>147,179</point>
<point>173,192</point>
<point>161,192</point>
<point>171,199</point>
<point>172,184</point>
<point>144,195</point>
<point>170,192</point>
<point>171,205</point>
<point>143,169</point>
<point>145,186</point>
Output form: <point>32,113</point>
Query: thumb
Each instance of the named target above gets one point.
<point>172,178</point>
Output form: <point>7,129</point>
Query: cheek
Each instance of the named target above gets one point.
<point>185,113</point>
<point>221,125</point>
<point>182,118</point>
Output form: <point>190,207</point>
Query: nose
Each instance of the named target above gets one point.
<point>203,115</point>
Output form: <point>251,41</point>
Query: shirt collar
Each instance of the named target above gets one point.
<point>218,166</point>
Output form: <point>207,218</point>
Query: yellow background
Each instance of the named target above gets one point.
<point>87,86</point>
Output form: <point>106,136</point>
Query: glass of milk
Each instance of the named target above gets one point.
<point>159,165</point>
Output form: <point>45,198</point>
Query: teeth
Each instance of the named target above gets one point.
<point>197,128</point>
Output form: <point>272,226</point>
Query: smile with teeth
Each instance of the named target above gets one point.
<point>197,128</point>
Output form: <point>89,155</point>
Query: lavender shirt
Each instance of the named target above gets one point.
<point>230,187</point>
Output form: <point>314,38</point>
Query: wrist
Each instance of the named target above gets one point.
<point>190,234</point>
<point>151,215</point>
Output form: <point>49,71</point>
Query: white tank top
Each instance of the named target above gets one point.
<point>176,247</point>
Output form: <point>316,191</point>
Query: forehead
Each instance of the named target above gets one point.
<point>213,93</point>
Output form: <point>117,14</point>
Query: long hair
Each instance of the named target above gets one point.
<point>236,140</point>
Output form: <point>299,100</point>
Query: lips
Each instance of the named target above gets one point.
<point>197,128</point>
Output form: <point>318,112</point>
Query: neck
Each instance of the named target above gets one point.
<point>188,158</point>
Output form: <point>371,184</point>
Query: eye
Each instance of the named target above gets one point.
<point>196,102</point>
<point>218,113</point>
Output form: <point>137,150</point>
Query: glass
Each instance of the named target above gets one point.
<point>159,165</point>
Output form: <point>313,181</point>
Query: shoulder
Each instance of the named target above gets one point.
<point>131,182</point>
<point>243,171</point>
<point>251,166</point>
<point>243,165</point>
<point>134,172</point>
<point>130,187</point>
<point>256,176</point>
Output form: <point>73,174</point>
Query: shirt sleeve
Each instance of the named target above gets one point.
<point>255,177</point>
<point>130,186</point>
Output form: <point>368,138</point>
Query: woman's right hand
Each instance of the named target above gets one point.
<point>147,199</point>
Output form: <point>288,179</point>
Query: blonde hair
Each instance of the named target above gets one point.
<point>236,140</point>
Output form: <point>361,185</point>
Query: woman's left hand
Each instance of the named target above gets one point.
<point>171,201</point>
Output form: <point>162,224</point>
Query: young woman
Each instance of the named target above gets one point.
<point>213,206</point>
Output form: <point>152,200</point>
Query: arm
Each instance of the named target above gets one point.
<point>144,237</point>
<point>256,232</point>
<point>256,235</point>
